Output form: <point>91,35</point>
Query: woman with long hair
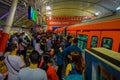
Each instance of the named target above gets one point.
<point>76,66</point>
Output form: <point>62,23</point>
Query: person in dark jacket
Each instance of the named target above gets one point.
<point>68,42</point>
<point>68,50</point>
<point>72,48</point>
<point>59,63</point>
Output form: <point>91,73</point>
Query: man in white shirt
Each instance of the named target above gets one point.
<point>14,63</point>
<point>32,72</point>
<point>48,44</point>
<point>38,48</point>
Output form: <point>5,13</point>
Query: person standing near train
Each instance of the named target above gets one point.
<point>72,48</point>
<point>75,69</point>
<point>68,50</point>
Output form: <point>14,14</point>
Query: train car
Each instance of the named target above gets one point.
<point>102,64</point>
<point>102,33</point>
<point>60,30</point>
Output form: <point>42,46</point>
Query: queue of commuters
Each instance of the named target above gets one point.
<point>51,56</point>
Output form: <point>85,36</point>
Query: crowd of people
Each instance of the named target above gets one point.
<point>46,56</point>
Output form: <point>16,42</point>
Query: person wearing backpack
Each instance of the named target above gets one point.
<point>68,50</point>
<point>74,70</point>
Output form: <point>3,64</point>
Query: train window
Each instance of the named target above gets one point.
<point>82,41</point>
<point>94,41</point>
<point>107,43</point>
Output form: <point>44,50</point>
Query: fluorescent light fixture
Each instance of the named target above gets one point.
<point>97,13</point>
<point>48,8</point>
<point>118,8</point>
<point>48,12</point>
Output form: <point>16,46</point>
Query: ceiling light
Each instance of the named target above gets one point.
<point>118,8</point>
<point>97,13</point>
<point>48,8</point>
<point>48,12</point>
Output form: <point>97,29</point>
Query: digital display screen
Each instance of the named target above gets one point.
<point>32,14</point>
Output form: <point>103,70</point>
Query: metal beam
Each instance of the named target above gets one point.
<point>20,18</point>
<point>22,22</point>
<point>4,15</point>
<point>5,3</point>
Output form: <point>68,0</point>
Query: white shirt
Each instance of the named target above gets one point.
<point>32,74</point>
<point>49,45</point>
<point>6,54</point>
<point>16,62</point>
<point>1,77</point>
<point>37,48</point>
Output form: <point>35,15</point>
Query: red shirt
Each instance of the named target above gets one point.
<point>51,73</point>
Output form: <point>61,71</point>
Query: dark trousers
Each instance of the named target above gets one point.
<point>59,72</point>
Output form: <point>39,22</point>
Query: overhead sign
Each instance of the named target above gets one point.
<point>63,20</point>
<point>32,14</point>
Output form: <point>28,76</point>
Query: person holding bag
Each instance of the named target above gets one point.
<point>13,62</point>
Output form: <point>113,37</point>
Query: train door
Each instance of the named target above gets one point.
<point>82,39</point>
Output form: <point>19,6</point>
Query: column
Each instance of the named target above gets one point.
<point>7,26</point>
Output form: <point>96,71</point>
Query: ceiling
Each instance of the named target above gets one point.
<point>21,14</point>
<point>58,8</point>
<point>80,7</point>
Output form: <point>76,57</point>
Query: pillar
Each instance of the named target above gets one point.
<point>7,26</point>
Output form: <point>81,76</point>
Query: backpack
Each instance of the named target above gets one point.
<point>73,71</point>
<point>74,75</point>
